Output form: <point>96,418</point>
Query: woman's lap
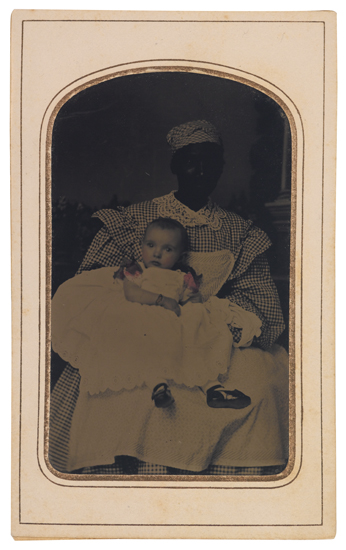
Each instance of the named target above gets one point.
<point>242,443</point>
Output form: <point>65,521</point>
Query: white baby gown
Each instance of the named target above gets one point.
<point>117,344</point>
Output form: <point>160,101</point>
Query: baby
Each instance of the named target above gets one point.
<point>145,324</point>
<point>164,247</point>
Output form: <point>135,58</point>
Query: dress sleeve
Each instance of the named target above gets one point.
<point>255,291</point>
<point>129,269</point>
<point>191,284</point>
<point>113,241</point>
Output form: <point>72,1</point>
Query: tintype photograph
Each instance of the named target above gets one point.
<point>184,364</point>
<point>178,256</point>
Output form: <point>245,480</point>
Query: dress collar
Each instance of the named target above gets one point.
<point>211,214</point>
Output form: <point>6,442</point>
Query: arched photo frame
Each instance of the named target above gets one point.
<point>106,147</point>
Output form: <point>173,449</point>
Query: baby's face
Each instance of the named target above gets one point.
<point>161,247</point>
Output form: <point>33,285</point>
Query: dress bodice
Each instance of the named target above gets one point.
<point>163,281</point>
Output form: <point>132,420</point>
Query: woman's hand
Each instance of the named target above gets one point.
<point>171,304</point>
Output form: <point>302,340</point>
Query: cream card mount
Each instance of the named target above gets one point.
<point>287,57</point>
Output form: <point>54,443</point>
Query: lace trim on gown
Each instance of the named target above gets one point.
<point>211,214</point>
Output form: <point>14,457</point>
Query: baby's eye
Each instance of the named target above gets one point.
<point>168,249</point>
<point>150,245</point>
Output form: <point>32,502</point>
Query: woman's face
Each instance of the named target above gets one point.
<point>198,168</point>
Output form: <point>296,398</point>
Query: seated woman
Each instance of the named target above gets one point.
<point>230,252</point>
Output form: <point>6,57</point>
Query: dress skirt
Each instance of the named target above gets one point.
<point>189,435</point>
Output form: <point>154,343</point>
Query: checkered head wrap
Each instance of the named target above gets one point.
<point>197,131</point>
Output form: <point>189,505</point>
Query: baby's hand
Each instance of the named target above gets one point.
<point>171,304</point>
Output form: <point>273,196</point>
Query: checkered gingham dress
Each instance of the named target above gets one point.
<point>250,286</point>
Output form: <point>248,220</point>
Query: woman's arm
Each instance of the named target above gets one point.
<point>133,293</point>
<point>114,240</point>
<point>255,291</point>
<point>101,253</point>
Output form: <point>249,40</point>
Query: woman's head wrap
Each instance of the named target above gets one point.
<point>197,131</point>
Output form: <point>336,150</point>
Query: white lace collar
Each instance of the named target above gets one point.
<point>211,214</point>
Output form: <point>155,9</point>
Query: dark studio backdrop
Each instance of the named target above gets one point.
<point>109,149</point>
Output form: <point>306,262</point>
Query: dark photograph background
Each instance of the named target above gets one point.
<point>109,149</point>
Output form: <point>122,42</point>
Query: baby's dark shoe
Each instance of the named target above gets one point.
<point>162,396</point>
<point>220,398</point>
